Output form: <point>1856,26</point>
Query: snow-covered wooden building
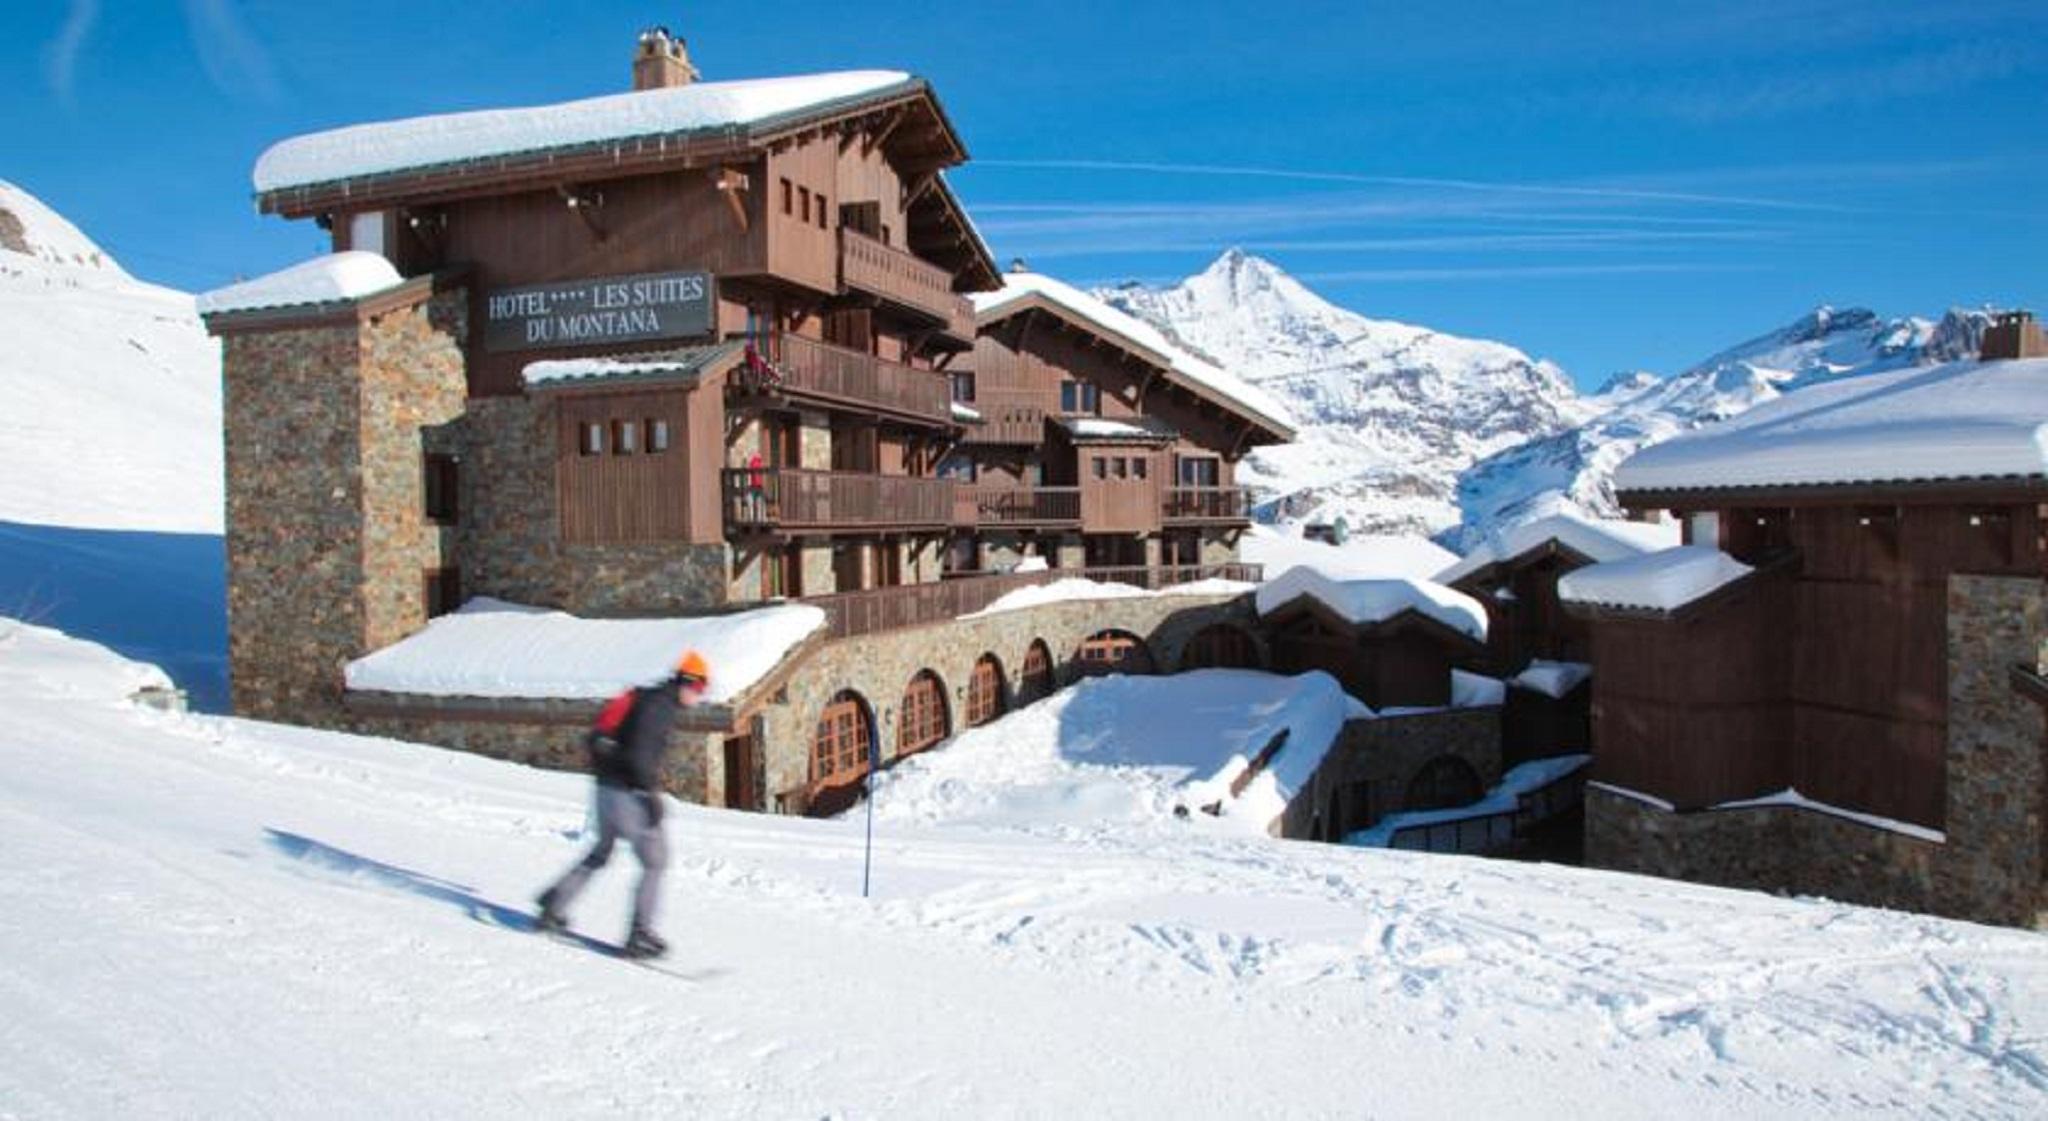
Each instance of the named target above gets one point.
<point>1835,685</point>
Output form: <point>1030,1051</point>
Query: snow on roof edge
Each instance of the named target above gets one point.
<point>328,279</point>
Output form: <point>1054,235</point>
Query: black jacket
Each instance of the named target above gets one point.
<point>643,740</point>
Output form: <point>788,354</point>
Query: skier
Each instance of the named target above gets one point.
<point>628,796</point>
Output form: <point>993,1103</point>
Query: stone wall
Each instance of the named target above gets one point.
<point>555,744</point>
<point>1988,865</point>
<point>1366,774</point>
<point>879,666</point>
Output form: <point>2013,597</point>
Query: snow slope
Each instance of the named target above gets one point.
<point>1388,413</point>
<point>109,387</point>
<point>219,918</point>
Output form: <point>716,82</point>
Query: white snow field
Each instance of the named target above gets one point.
<point>219,918</point>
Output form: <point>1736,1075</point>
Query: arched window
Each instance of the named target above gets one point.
<point>923,719</point>
<point>1113,651</point>
<point>1036,680</point>
<point>985,691</point>
<point>840,744</point>
<point>1442,783</point>
<point>1220,646</point>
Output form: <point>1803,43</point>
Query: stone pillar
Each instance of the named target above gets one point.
<point>1069,550</point>
<point>1991,866</point>
<point>817,566</point>
<point>815,441</point>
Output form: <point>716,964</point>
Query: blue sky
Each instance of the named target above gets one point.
<point>1610,186</point>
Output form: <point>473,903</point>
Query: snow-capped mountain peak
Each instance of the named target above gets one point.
<point>31,229</point>
<point>1390,412</point>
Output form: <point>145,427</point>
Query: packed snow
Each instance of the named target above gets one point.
<point>1364,602</point>
<point>1097,428</point>
<point>491,648</point>
<point>423,142</point>
<point>1504,798</point>
<point>1963,420</point>
<point>1793,799</point>
<point>1663,581</point>
<point>1552,679</point>
<point>1129,753</point>
<point>1597,539</point>
<point>110,414</point>
<point>1020,286</point>
<point>332,278</point>
<point>220,918</point>
<point>1360,557</point>
<point>1074,588</point>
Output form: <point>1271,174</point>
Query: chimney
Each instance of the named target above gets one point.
<point>2013,334</point>
<point>661,61</point>
<point>1017,265</point>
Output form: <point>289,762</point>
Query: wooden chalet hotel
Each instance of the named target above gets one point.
<point>1836,685</point>
<point>693,349</point>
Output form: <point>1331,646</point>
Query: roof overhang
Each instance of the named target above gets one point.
<point>1407,619</point>
<point>680,368</point>
<point>1776,567</point>
<point>336,313</point>
<point>1905,492</point>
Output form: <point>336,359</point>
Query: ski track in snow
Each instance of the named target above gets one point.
<point>224,918</point>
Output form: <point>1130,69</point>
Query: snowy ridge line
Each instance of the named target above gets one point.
<point>1786,799</point>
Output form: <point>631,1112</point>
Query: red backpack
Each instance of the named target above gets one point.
<point>602,741</point>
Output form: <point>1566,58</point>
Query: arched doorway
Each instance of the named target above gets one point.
<point>985,691</point>
<point>923,719</point>
<point>1221,646</point>
<point>841,747</point>
<point>1112,651</point>
<point>1442,783</point>
<point>1036,681</point>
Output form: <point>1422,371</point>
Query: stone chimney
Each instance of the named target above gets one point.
<point>2013,334</point>
<point>661,61</point>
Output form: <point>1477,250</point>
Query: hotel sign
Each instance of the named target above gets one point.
<point>606,309</point>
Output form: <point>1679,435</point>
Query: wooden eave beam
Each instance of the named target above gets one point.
<point>881,136</point>
<point>732,183</point>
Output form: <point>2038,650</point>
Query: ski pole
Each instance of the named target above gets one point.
<point>867,859</point>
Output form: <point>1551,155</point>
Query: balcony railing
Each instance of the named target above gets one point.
<point>794,366</point>
<point>1208,504</point>
<point>1006,424</point>
<point>998,506</point>
<point>911,605</point>
<point>781,498</point>
<point>904,279</point>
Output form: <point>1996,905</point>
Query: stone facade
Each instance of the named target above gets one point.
<point>1366,774</point>
<point>1988,866</point>
<point>327,538</point>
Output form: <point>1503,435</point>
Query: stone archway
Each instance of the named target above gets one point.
<point>1036,682</point>
<point>923,719</point>
<point>842,746</point>
<point>1113,651</point>
<point>1442,783</point>
<point>1221,646</point>
<point>985,691</point>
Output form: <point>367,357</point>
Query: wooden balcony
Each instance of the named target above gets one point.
<point>1221,505</point>
<point>912,605</point>
<point>1026,506</point>
<point>795,367</point>
<point>1012,424</point>
<point>905,280</point>
<point>778,499</point>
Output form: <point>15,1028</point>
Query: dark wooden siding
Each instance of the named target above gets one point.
<point>612,497</point>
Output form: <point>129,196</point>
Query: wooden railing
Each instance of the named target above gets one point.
<point>780,498</point>
<point>800,367</point>
<point>1208,504</point>
<point>903,278</point>
<point>1026,505</point>
<point>884,609</point>
<point>1006,423</point>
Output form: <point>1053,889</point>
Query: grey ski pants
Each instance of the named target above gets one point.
<point>622,815</point>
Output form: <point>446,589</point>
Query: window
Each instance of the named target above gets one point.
<point>839,744</point>
<point>1120,467</point>
<point>1138,467</point>
<point>885,235</point>
<point>1100,466</point>
<point>803,196</point>
<point>821,211</point>
<point>1079,397</point>
<point>924,721</point>
<point>442,489</point>
<point>1107,652</point>
<point>625,437</point>
<point>1704,529</point>
<point>957,467</point>
<point>985,691</point>
<point>788,197</point>
<point>443,590</point>
<point>1070,397</point>
<point>657,435</point>
<point>590,438</point>
<point>1036,681</point>
<point>781,573</point>
<point>963,388</point>
<point>1199,471</point>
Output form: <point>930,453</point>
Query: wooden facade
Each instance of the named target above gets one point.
<point>1402,662</point>
<point>1826,670</point>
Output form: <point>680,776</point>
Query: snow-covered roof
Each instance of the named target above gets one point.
<point>1962,420</point>
<point>333,278</point>
<point>1552,679</point>
<point>1365,602</point>
<point>1075,589</point>
<point>1598,539</point>
<point>491,648</point>
<point>1361,556</point>
<point>1139,428</point>
<point>1664,581</point>
<point>966,414</point>
<point>450,138</point>
<point>682,362</point>
<point>1021,287</point>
